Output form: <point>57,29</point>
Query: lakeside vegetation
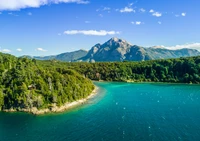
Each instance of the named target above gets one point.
<point>27,83</point>
<point>24,83</point>
<point>180,70</point>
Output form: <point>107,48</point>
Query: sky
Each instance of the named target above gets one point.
<point>50,27</point>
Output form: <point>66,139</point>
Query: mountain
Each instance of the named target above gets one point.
<point>68,56</point>
<point>119,50</point>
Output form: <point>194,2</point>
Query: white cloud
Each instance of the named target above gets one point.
<point>41,49</point>
<point>21,4</point>
<point>151,11</point>
<point>157,14</point>
<point>142,10</point>
<point>132,22</point>
<point>106,8</point>
<point>103,9</point>
<point>91,32</point>
<point>12,14</point>
<point>159,22</point>
<point>130,4</point>
<point>190,46</point>
<point>29,13</point>
<point>19,49</point>
<point>5,50</point>
<point>137,23</point>
<point>127,10</point>
<point>183,14</point>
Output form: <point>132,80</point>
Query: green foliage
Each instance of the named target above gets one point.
<point>1,99</point>
<point>182,70</point>
<point>25,84</point>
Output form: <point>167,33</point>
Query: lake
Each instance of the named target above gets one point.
<point>120,111</point>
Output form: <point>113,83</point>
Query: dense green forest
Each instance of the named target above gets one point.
<point>181,70</point>
<point>27,83</point>
<point>24,83</point>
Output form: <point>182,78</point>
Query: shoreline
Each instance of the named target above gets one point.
<point>148,82</point>
<point>56,109</point>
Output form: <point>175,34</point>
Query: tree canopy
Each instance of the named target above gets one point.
<point>25,84</point>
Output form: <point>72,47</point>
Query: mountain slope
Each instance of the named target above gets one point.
<point>66,57</point>
<point>119,50</point>
<point>71,56</point>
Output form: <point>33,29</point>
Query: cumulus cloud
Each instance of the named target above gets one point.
<point>21,4</point>
<point>190,46</point>
<point>127,10</point>
<point>91,32</point>
<point>41,49</point>
<point>157,14</point>
<point>19,49</point>
<point>138,23</point>
<point>142,10</point>
<point>183,14</point>
<point>151,11</point>
<point>5,50</point>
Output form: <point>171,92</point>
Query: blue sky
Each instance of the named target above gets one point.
<point>48,27</point>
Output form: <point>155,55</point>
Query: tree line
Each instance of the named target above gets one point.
<point>180,70</point>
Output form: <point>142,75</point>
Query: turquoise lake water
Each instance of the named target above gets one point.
<point>121,111</point>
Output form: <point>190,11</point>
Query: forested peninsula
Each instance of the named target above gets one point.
<point>32,85</point>
<point>26,85</point>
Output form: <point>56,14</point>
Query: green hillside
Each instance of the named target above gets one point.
<point>25,84</point>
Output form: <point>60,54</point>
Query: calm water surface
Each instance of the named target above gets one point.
<point>120,111</point>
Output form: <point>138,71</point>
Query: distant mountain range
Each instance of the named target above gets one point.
<point>120,50</point>
<point>67,57</point>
